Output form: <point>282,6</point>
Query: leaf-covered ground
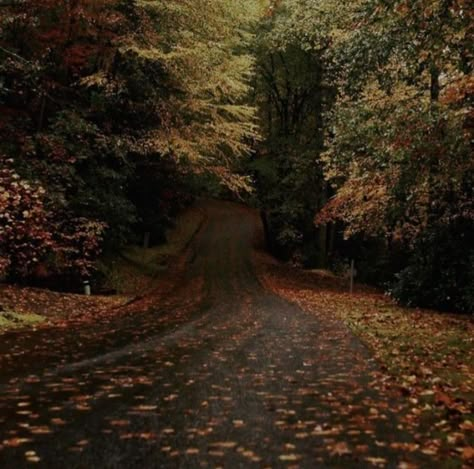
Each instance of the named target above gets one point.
<point>132,276</point>
<point>427,355</point>
<point>213,369</point>
<point>50,307</point>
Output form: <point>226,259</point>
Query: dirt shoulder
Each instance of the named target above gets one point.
<point>427,355</point>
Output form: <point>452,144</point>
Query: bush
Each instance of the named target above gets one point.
<point>32,238</point>
<point>440,271</point>
<point>24,230</point>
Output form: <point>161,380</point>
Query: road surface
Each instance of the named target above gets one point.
<point>222,373</point>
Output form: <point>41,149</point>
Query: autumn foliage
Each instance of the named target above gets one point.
<point>24,233</point>
<point>351,120</point>
<point>389,183</point>
<point>95,94</point>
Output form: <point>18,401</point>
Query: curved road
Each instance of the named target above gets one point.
<point>222,373</point>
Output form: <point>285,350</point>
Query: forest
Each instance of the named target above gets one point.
<point>187,190</point>
<point>348,123</point>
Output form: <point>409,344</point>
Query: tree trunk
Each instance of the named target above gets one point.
<point>435,87</point>
<point>323,231</point>
<point>332,238</point>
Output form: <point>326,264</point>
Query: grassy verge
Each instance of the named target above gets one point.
<point>12,320</point>
<point>137,267</point>
<point>428,356</point>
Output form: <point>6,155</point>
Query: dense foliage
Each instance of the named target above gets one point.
<point>357,116</point>
<point>106,108</point>
<point>397,144</point>
<point>401,151</point>
<point>293,95</point>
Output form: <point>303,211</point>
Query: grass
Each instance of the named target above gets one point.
<point>137,267</point>
<point>12,320</point>
<point>433,347</point>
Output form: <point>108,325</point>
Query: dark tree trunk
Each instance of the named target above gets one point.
<point>435,87</point>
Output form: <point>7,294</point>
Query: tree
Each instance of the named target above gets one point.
<point>399,153</point>
<point>389,87</point>
<point>92,90</point>
<point>293,94</point>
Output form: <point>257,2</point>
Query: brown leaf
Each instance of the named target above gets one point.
<point>340,449</point>
<point>468,453</point>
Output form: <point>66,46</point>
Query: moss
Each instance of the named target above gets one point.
<point>13,320</point>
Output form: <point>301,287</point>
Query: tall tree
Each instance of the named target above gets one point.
<point>293,94</point>
<point>400,141</point>
<point>93,93</point>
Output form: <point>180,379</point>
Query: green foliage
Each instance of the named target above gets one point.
<point>402,168</point>
<point>399,150</point>
<point>86,172</point>
<point>111,111</point>
<point>199,49</point>
<point>292,95</point>
<point>286,184</point>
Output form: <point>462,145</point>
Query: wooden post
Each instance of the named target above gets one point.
<point>87,288</point>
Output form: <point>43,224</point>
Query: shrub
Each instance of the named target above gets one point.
<point>25,236</point>
<point>440,271</point>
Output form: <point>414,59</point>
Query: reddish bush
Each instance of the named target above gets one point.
<point>25,236</point>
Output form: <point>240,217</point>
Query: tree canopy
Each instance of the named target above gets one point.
<point>394,121</point>
<point>96,94</point>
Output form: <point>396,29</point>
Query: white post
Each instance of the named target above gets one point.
<point>87,288</point>
<point>352,276</point>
